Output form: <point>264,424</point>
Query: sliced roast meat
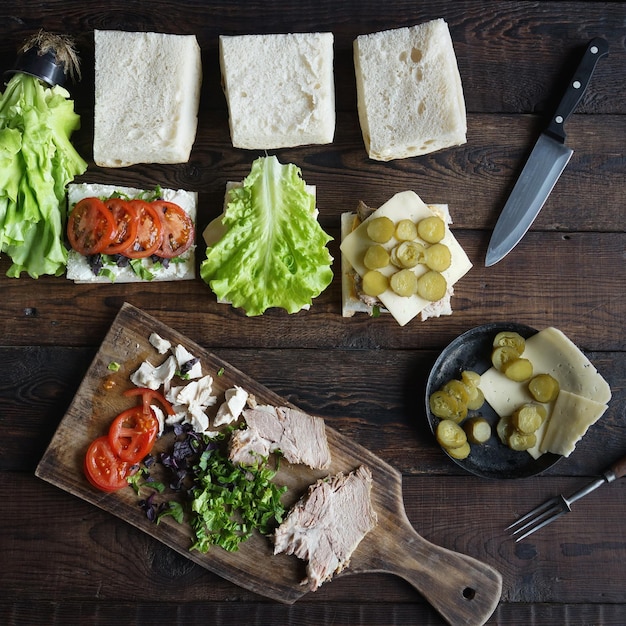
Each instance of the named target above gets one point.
<point>328,523</point>
<point>301,438</point>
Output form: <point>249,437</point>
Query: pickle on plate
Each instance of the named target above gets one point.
<point>431,229</point>
<point>476,399</point>
<point>432,286</point>
<point>457,389</point>
<point>408,254</point>
<point>404,283</point>
<point>450,435</point>
<point>477,429</point>
<point>406,230</point>
<point>504,429</point>
<point>380,229</point>
<point>502,355</point>
<point>510,339</point>
<point>376,257</point>
<point>519,441</point>
<point>544,388</point>
<point>438,257</point>
<point>445,406</point>
<point>529,417</point>
<point>459,453</point>
<point>518,369</point>
<point>374,283</point>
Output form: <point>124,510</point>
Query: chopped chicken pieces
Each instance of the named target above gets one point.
<point>301,438</point>
<point>327,524</point>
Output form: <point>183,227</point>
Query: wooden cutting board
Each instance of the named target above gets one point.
<point>462,589</point>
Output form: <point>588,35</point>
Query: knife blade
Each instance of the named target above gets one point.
<point>545,164</point>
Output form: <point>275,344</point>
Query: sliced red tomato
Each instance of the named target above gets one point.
<point>132,434</point>
<point>148,397</point>
<point>178,230</point>
<point>126,225</point>
<point>90,227</point>
<point>104,469</point>
<point>149,231</point>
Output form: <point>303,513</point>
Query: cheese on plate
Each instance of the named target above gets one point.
<point>404,205</point>
<point>583,396</point>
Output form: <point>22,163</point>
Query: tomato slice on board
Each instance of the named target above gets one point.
<point>104,469</point>
<point>90,227</point>
<point>125,218</point>
<point>132,434</point>
<point>149,231</point>
<point>148,396</point>
<point>178,229</point>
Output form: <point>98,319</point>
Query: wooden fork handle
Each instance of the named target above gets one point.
<point>618,468</point>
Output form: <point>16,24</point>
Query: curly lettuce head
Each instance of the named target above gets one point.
<point>273,251</point>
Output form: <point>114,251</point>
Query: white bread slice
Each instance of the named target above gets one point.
<point>147,93</point>
<point>409,93</point>
<point>279,89</point>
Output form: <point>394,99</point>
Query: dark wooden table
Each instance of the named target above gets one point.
<point>64,561</point>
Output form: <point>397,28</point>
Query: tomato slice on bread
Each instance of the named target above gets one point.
<point>149,231</point>
<point>178,229</point>
<point>104,469</point>
<point>132,434</point>
<point>125,218</point>
<point>90,227</point>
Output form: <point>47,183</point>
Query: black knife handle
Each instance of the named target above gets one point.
<point>597,49</point>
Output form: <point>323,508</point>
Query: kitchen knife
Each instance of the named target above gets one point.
<point>545,163</point>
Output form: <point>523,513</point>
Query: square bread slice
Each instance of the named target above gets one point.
<point>147,94</point>
<point>279,89</point>
<point>409,93</point>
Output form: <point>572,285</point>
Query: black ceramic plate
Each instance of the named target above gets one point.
<point>472,351</point>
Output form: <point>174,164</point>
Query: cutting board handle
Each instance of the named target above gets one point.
<point>462,589</point>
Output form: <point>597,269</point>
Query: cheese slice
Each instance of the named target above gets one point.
<point>404,205</point>
<point>570,419</point>
<point>581,386</point>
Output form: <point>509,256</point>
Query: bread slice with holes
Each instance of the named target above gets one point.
<point>147,94</point>
<point>279,89</point>
<point>409,92</point>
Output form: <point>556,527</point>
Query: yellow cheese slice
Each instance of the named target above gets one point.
<point>551,352</point>
<point>404,205</point>
<point>571,417</point>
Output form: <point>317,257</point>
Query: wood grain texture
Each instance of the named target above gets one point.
<point>65,561</point>
<point>462,589</point>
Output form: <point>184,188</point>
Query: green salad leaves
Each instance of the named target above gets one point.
<point>272,252</point>
<point>37,161</point>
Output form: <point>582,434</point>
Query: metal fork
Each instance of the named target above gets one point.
<point>559,505</point>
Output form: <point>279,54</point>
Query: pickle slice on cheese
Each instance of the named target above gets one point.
<point>404,205</point>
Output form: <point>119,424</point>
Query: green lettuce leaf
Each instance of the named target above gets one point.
<point>273,252</point>
<point>37,161</point>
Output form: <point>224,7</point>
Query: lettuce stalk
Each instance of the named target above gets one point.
<point>273,252</point>
<point>37,161</point>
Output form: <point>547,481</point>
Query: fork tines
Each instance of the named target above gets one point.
<point>539,517</point>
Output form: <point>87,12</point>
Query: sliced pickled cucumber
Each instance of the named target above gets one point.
<point>380,229</point>
<point>431,286</point>
<point>438,257</point>
<point>444,406</point>
<point>511,339</point>
<point>476,400</point>
<point>521,441</point>
<point>528,418</point>
<point>376,257</point>
<point>461,452</point>
<point>374,283</point>
<point>477,429</point>
<point>457,389</point>
<point>504,429</point>
<point>450,435</point>
<point>502,355</point>
<point>404,283</point>
<point>406,230</point>
<point>518,369</point>
<point>470,377</point>
<point>544,388</point>
<point>408,254</point>
<point>431,229</point>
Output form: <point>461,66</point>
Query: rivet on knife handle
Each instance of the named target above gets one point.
<point>545,164</point>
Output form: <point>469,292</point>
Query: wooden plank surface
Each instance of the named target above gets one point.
<point>66,561</point>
